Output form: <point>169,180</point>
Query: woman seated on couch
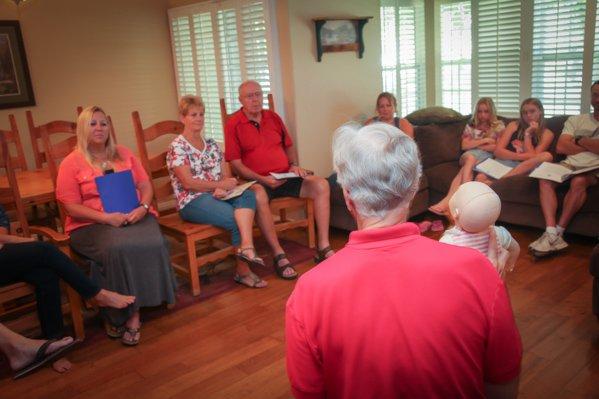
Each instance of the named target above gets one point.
<point>478,141</point>
<point>524,143</point>
<point>385,108</point>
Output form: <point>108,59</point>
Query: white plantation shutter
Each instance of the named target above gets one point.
<point>229,56</point>
<point>498,52</point>
<point>558,44</point>
<point>216,46</point>
<point>255,46</point>
<point>456,55</point>
<point>595,75</point>
<point>207,76</point>
<point>181,33</point>
<point>403,56</point>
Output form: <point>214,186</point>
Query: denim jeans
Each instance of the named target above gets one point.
<point>42,265</point>
<point>209,210</point>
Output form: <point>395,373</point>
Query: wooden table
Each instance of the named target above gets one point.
<point>35,186</point>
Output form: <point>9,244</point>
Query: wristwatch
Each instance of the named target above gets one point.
<point>577,140</point>
<point>146,206</point>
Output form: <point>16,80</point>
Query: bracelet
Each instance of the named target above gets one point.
<point>145,206</point>
<point>293,164</point>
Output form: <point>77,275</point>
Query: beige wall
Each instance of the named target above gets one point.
<point>320,96</point>
<point>112,53</point>
<point>117,54</point>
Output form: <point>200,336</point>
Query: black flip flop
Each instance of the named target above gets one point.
<point>42,358</point>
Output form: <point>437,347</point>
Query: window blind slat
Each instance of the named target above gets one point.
<point>199,72</point>
<point>557,57</point>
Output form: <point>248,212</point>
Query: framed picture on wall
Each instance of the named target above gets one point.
<point>15,82</point>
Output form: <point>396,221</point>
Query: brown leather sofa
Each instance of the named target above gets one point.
<point>594,269</point>
<point>440,151</point>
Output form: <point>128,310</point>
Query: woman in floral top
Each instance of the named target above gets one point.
<point>478,141</point>
<point>199,180</point>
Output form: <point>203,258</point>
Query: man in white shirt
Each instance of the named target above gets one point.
<point>580,134</point>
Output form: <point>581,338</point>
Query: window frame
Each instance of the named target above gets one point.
<point>269,9</point>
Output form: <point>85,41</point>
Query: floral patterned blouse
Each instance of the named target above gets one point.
<point>475,134</point>
<point>205,165</point>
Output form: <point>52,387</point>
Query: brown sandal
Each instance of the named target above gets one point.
<point>250,280</point>
<point>321,254</point>
<point>113,331</point>
<point>256,260</point>
<point>280,270</point>
<point>134,334</point>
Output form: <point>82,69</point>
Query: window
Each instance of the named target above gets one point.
<point>456,55</point>
<point>596,49</point>
<point>558,45</point>
<point>497,53</point>
<point>216,46</point>
<point>403,62</point>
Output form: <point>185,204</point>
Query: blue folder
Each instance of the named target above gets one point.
<point>117,192</point>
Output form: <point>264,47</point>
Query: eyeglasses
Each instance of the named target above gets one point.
<point>256,94</point>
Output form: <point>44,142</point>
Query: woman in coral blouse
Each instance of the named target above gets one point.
<point>128,251</point>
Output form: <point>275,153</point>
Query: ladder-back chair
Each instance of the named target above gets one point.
<point>192,235</point>
<point>12,137</point>
<point>280,206</point>
<point>12,293</point>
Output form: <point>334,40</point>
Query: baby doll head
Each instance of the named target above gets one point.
<point>474,207</point>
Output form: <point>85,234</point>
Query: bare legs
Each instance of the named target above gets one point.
<point>318,190</point>
<point>464,175</point>
<point>313,187</point>
<point>522,168</point>
<point>573,201</point>
<point>111,299</point>
<point>528,165</point>
<point>21,351</point>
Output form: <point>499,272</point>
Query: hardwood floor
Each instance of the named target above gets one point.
<point>231,345</point>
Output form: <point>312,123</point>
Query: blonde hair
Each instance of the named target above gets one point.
<point>186,102</point>
<point>83,133</point>
<point>493,121</point>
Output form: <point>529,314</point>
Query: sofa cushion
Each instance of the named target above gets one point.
<point>440,176</point>
<point>556,125</point>
<point>518,189</point>
<point>439,144</point>
<point>438,115</point>
<point>525,190</point>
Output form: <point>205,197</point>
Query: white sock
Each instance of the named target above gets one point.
<point>560,230</point>
<point>551,230</point>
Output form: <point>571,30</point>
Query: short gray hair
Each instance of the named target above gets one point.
<point>378,165</point>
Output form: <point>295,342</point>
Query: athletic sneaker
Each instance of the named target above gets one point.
<point>548,243</point>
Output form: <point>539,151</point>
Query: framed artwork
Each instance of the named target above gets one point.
<point>339,34</point>
<point>15,82</point>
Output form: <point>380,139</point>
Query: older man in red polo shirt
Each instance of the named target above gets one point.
<point>257,143</point>
<point>395,314</point>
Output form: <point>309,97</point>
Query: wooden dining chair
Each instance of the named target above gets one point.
<point>13,138</point>
<point>281,206</point>
<point>12,296</point>
<point>203,243</point>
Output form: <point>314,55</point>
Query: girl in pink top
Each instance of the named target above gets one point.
<point>128,253</point>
